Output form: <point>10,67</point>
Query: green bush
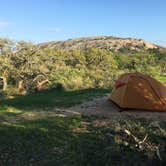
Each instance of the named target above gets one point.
<point>74,69</point>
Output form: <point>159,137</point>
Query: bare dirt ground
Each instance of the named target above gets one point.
<point>104,108</point>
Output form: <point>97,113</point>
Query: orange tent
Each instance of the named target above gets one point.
<point>139,91</point>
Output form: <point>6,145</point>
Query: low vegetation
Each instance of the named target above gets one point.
<point>53,98</point>
<point>34,131</point>
<point>42,136</point>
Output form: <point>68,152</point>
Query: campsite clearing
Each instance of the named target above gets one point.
<point>94,132</point>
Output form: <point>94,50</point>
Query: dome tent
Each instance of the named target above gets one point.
<point>139,91</point>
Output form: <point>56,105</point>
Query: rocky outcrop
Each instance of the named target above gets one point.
<point>103,42</point>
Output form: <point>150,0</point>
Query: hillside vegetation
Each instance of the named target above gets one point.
<point>26,67</point>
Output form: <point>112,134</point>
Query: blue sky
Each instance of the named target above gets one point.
<point>47,20</point>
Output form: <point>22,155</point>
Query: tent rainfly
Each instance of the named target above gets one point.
<point>139,91</point>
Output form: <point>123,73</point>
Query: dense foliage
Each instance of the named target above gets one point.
<point>26,67</point>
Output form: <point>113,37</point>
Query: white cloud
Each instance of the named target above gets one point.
<point>160,42</point>
<point>56,29</point>
<point>5,24</point>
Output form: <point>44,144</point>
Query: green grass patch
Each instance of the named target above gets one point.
<point>53,98</point>
<point>161,78</point>
<point>38,137</point>
<point>57,141</point>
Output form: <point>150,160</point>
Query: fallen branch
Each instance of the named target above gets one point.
<point>142,143</point>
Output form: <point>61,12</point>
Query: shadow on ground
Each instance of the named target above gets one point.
<point>53,98</point>
<point>75,141</point>
<point>33,131</point>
